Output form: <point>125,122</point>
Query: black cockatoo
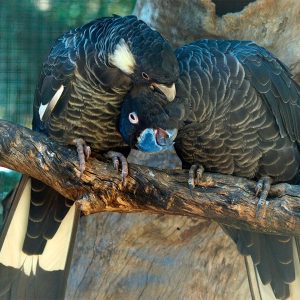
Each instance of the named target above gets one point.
<point>81,87</point>
<point>238,109</point>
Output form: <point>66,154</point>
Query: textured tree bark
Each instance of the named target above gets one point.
<point>226,199</point>
<point>126,256</point>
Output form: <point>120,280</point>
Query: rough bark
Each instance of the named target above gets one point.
<point>133,256</point>
<point>225,199</point>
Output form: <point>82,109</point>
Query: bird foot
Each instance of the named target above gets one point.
<point>195,174</point>
<point>116,158</point>
<point>262,189</point>
<point>84,152</point>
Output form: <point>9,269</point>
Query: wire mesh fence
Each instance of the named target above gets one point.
<point>27,30</point>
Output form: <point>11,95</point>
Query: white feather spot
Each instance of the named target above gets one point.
<point>46,109</point>
<point>11,253</point>
<point>55,253</point>
<point>122,58</point>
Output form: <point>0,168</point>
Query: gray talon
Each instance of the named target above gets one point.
<point>87,151</point>
<point>195,174</point>
<point>259,186</point>
<point>83,151</point>
<point>116,158</point>
<point>262,187</point>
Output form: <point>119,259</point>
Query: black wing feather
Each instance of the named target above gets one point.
<point>47,210</point>
<point>273,81</point>
<point>268,75</point>
<point>271,254</point>
<point>57,70</point>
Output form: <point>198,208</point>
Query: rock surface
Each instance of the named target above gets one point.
<point>273,24</point>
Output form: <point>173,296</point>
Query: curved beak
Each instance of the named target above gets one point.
<point>168,91</point>
<point>166,137</point>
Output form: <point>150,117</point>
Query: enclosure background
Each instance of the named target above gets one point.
<point>27,30</point>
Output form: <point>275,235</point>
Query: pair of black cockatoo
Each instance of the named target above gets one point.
<point>236,111</point>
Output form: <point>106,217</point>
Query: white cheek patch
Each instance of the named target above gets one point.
<point>122,58</point>
<point>46,109</point>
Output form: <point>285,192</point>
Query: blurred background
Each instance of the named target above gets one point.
<point>27,30</point>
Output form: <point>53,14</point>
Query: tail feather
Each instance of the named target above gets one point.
<point>47,210</point>
<point>260,290</point>
<point>11,248</point>
<point>252,279</point>
<point>295,285</point>
<point>264,266</point>
<point>266,292</point>
<point>272,264</point>
<point>42,275</point>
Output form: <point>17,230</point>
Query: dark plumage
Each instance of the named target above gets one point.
<point>240,114</point>
<point>85,62</point>
<point>81,87</point>
<point>152,121</point>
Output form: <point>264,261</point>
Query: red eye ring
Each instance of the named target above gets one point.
<point>133,118</point>
<point>145,76</point>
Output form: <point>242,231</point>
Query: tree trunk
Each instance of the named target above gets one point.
<point>273,24</point>
<point>136,256</point>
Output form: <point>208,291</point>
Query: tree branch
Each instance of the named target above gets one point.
<point>225,199</point>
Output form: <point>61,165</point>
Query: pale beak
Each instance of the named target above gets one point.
<point>168,91</point>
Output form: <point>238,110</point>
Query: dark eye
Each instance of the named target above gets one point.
<point>145,76</point>
<point>133,118</point>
